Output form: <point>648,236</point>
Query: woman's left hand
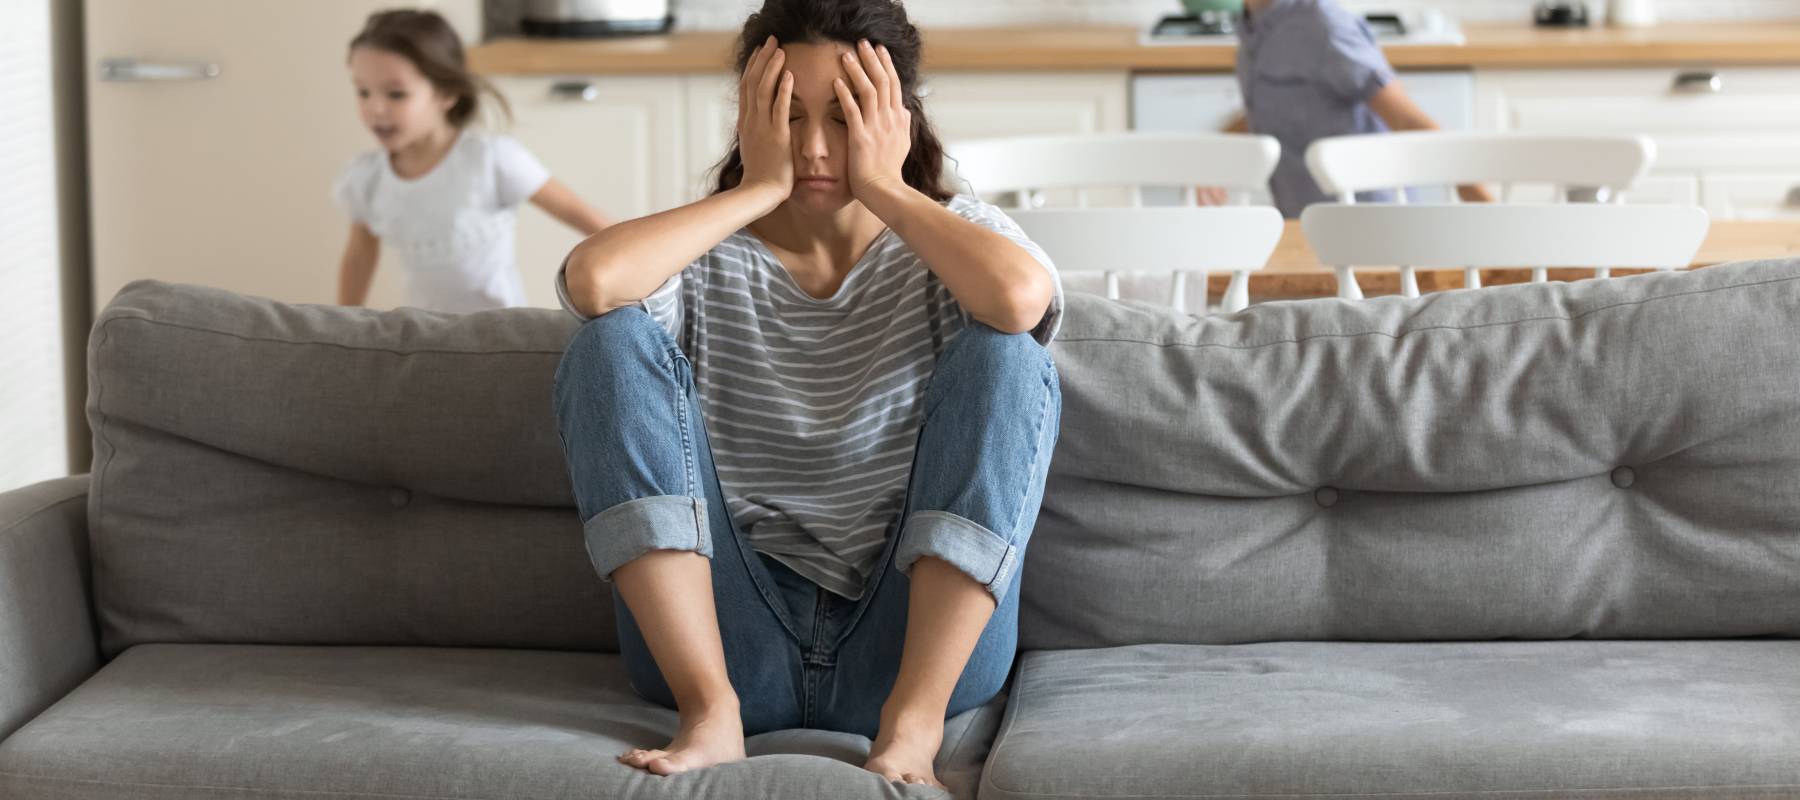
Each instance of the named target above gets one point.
<point>880,126</point>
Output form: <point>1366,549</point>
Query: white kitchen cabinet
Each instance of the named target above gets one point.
<point>1727,138</point>
<point>711,124</point>
<point>987,105</point>
<point>616,141</point>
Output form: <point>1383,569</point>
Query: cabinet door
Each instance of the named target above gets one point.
<point>990,105</point>
<point>981,105</point>
<point>1752,196</point>
<point>1704,121</point>
<point>711,127</point>
<point>613,140</point>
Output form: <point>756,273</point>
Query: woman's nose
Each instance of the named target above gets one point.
<point>812,140</point>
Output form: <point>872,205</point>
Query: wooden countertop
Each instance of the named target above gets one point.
<point>1063,48</point>
<point>1294,270</point>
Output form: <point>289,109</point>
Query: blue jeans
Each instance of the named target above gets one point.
<point>798,655</point>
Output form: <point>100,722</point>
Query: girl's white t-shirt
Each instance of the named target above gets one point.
<point>452,227</point>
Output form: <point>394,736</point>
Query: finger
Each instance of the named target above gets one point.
<point>765,95</point>
<point>753,68</point>
<point>783,99</point>
<point>852,112</point>
<point>887,63</point>
<point>870,62</point>
<point>865,91</point>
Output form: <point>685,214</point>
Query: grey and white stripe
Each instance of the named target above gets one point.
<point>813,405</point>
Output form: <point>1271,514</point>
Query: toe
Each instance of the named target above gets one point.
<point>667,766</point>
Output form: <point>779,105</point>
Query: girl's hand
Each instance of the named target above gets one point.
<point>880,126</point>
<point>764,94</point>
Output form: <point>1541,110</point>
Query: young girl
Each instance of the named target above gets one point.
<point>443,194</point>
<point>809,418</point>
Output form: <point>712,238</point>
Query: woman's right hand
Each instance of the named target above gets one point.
<point>764,94</point>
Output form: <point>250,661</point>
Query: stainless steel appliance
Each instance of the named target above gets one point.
<point>595,17</point>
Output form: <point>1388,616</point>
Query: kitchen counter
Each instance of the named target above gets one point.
<point>1065,48</point>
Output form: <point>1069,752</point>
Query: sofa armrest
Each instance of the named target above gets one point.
<point>47,636</point>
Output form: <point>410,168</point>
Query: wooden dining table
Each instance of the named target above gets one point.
<point>1294,270</point>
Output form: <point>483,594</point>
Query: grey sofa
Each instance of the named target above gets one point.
<point>1525,542</point>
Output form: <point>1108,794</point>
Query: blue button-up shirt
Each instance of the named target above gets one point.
<point>1307,69</point>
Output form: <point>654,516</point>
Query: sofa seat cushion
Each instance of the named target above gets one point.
<point>1551,719</point>
<point>240,721</point>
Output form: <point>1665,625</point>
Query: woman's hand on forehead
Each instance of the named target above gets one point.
<point>764,95</point>
<point>875,111</point>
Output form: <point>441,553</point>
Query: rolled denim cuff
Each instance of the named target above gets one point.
<point>630,529</point>
<point>976,551</point>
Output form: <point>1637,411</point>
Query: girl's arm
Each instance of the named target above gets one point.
<point>627,261</point>
<point>996,281</point>
<point>561,202</point>
<point>1397,109</point>
<point>357,271</point>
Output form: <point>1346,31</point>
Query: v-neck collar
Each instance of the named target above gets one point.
<point>849,278</point>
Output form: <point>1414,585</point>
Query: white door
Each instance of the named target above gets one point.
<point>616,141</point>
<point>226,180</point>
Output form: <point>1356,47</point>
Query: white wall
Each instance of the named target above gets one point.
<point>33,430</point>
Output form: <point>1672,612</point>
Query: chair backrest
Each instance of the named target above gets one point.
<point>1345,165</point>
<point>1114,242</point>
<point>1136,160</point>
<point>1154,239</point>
<point>1479,235</point>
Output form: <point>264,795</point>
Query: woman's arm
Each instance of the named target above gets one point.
<point>561,202</point>
<point>357,270</point>
<point>992,278</point>
<point>996,281</point>
<point>1397,109</point>
<point>627,261</point>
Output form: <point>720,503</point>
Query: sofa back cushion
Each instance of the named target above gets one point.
<point>1606,458</point>
<point>293,474</point>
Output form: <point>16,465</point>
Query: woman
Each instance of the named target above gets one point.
<point>809,417</point>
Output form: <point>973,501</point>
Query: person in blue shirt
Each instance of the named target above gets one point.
<point>1309,69</point>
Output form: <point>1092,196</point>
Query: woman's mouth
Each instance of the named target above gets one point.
<point>816,182</point>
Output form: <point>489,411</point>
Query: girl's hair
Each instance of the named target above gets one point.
<point>882,22</point>
<point>428,41</point>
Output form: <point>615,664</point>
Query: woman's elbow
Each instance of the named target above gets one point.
<point>1026,303</point>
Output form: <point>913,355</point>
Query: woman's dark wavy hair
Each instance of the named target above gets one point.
<point>882,22</point>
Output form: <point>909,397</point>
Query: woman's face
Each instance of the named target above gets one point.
<point>816,123</point>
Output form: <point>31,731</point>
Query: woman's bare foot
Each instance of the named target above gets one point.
<point>904,749</point>
<point>713,735</point>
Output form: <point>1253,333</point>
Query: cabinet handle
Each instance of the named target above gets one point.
<point>584,91</point>
<point>1793,198</point>
<point>1699,83</point>
<point>130,69</point>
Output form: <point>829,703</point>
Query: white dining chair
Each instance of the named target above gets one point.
<point>1574,167</point>
<point>1024,172</point>
<point>1160,240</point>
<point>1476,236</point>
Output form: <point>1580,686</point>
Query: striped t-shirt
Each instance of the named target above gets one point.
<point>813,406</point>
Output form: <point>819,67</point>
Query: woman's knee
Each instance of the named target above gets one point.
<point>612,348</point>
<point>1009,368</point>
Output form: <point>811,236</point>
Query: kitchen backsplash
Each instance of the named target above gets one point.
<point>729,14</point>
